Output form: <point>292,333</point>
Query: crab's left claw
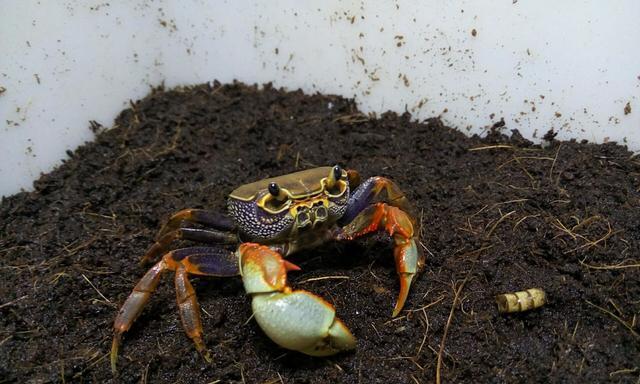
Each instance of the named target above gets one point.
<point>296,320</point>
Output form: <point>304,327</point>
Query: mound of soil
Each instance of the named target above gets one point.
<point>498,214</point>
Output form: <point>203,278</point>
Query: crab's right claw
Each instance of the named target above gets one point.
<point>296,320</point>
<point>302,322</point>
<point>400,226</point>
<point>407,264</point>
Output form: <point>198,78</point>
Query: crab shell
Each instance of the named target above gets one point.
<point>307,202</point>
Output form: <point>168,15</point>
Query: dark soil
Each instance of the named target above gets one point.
<point>499,214</point>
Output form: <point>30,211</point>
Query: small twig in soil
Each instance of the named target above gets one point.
<point>323,278</point>
<point>446,328</point>
<point>523,219</point>
<point>563,228</point>
<point>410,358</point>
<point>73,251</point>
<point>5,340</point>
<point>58,276</point>
<point>623,322</point>
<point>13,301</point>
<point>371,272</point>
<point>207,313</point>
<point>394,320</point>
<point>242,373</point>
<point>623,371</point>
<point>518,158</point>
<point>354,118</point>
<point>426,332</point>
<point>575,330</point>
<point>555,159</point>
<point>96,289</point>
<point>249,319</point>
<point>620,265</point>
<point>510,202</point>
<point>171,147</point>
<point>79,374</point>
<point>590,244</point>
<point>96,271</point>
<point>502,218</point>
<point>62,379</point>
<point>4,250</point>
<point>282,150</point>
<point>585,222</point>
<point>498,146</point>
<point>428,305</point>
<point>615,306</point>
<point>145,374</point>
<point>375,329</point>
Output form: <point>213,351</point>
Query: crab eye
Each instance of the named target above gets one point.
<point>337,172</point>
<point>276,200</point>
<point>334,185</point>
<point>274,189</point>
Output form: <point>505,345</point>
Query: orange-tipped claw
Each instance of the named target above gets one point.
<point>405,284</point>
<point>289,266</point>
<point>408,262</point>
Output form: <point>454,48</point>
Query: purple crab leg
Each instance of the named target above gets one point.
<point>210,236</point>
<point>207,261</point>
<point>208,219</point>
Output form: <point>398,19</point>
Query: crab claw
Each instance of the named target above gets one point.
<point>407,264</point>
<point>296,320</point>
<point>399,225</point>
<point>302,322</point>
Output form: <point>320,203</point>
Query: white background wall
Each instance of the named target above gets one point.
<point>571,65</point>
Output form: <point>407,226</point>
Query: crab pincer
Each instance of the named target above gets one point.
<point>296,320</point>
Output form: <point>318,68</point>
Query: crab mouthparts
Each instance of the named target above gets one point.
<point>310,216</point>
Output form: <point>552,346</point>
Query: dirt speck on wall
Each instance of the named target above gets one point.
<point>498,215</point>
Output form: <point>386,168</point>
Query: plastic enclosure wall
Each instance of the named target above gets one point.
<point>572,65</point>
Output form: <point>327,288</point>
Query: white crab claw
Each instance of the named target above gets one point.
<point>297,320</point>
<point>303,322</point>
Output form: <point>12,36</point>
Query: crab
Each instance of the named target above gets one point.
<point>269,220</point>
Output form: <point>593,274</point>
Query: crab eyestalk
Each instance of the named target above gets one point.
<point>296,320</point>
<point>276,192</point>
<point>335,174</point>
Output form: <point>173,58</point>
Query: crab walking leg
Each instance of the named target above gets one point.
<point>200,216</point>
<point>207,261</point>
<point>190,310</point>
<point>400,226</point>
<point>195,234</point>
<point>296,320</point>
<point>133,306</point>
